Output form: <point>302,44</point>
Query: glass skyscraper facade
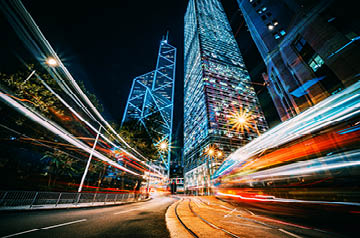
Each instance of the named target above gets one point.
<point>151,101</point>
<point>221,109</point>
<point>310,49</point>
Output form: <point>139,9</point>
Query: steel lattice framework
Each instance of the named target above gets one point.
<point>151,100</point>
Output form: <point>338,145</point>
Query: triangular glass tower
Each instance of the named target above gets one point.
<point>151,100</point>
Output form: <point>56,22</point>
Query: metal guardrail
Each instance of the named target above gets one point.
<point>30,199</point>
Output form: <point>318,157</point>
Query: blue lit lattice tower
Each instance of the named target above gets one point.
<point>152,94</point>
<point>216,85</point>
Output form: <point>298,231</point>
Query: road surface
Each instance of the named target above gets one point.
<point>143,219</point>
<point>205,216</point>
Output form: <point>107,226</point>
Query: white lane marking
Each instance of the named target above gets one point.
<point>45,228</point>
<point>228,214</point>
<point>125,211</point>
<point>289,233</point>
<point>23,232</point>
<point>63,224</point>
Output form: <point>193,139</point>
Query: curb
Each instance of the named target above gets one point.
<point>173,225</point>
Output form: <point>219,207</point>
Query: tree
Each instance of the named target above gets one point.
<point>33,91</point>
<point>136,135</point>
<point>59,164</point>
<point>92,97</point>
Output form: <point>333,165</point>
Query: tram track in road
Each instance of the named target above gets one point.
<point>182,223</point>
<point>288,228</point>
<point>208,223</point>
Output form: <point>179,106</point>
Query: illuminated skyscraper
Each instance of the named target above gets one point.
<point>221,109</point>
<point>151,98</point>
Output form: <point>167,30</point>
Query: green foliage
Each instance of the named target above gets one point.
<point>59,164</point>
<point>136,135</point>
<point>92,97</point>
<point>33,91</point>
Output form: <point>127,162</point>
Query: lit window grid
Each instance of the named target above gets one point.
<point>220,57</point>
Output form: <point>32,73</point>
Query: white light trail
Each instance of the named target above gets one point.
<point>338,107</point>
<point>89,124</point>
<point>57,130</point>
<point>33,38</point>
<point>275,199</point>
<point>305,168</point>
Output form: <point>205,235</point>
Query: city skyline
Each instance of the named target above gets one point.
<point>92,96</point>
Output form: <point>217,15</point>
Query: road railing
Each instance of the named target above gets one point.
<point>14,200</point>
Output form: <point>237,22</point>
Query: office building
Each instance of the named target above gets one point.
<point>311,49</point>
<point>221,109</point>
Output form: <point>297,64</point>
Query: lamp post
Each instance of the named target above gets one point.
<point>211,153</point>
<point>163,146</point>
<point>89,161</point>
<point>51,62</point>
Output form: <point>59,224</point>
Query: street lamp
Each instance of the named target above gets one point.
<point>211,152</point>
<point>163,150</point>
<point>240,119</point>
<point>51,62</point>
<point>163,146</point>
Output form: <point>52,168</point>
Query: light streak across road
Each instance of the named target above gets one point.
<point>36,42</point>
<point>57,130</point>
<point>338,107</point>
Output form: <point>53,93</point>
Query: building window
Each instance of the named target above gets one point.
<point>276,35</point>
<point>270,27</point>
<point>304,49</point>
<point>299,44</point>
<point>316,62</point>
<point>282,32</point>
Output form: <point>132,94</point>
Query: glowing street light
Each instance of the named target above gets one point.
<point>51,62</point>
<point>219,154</point>
<point>240,119</point>
<point>163,146</point>
<point>243,120</point>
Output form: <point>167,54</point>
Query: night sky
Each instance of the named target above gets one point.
<point>108,43</point>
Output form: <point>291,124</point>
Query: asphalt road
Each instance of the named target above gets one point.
<point>336,219</point>
<point>210,217</point>
<point>143,219</point>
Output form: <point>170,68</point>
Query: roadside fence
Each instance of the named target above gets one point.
<point>10,200</point>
